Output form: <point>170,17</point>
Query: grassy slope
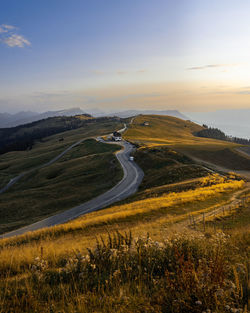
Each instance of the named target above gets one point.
<point>46,191</point>
<point>69,182</point>
<point>235,220</point>
<point>158,163</point>
<point>178,135</point>
<point>162,165</point>
<point>13,163</point>
<point>156,211</point>
<point>150,210</point>
<point>59,247</point>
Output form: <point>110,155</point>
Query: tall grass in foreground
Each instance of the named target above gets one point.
<point>180,274</point>
<point>159,212</point>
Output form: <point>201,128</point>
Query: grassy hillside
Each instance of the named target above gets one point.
<point>129,274</point>
<point>163,130</point>
<point>162,165</point>
<point>178,135</point>
<point>57,187</point>
<point>72,180</point>
<point>161,250</point>
<point>16,162</point>
<point>22,137</point>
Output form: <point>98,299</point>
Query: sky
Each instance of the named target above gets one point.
<point>114,55</point>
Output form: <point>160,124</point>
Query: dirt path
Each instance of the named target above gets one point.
<point>234,201</point>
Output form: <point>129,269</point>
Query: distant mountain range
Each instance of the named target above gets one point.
<point>232,122</point>
<point>129,113</point>
<point>21,118</point>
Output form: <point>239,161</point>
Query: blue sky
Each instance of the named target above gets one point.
<point>188,55</point>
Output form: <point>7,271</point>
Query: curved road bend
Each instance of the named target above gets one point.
<point>17,178</point>
<point>132,178</point>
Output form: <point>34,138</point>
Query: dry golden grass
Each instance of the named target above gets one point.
<point>159,211</point>
<point>168,130</point>
<point>179,135</point>
<point>84,117</point>
<point>152,214</point>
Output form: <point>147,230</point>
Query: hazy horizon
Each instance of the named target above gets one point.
<point>190,56</point>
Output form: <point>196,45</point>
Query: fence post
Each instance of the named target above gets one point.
<point>190,220</point>
<point>194,222</point>
<point>204,225</point>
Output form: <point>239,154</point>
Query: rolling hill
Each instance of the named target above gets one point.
<point>80,169</point>
<point>179,135</point>
<point>171,247</point>
<point>23,137</point>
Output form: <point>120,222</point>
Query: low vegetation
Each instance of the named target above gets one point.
<point>23,137</point>
<point>162,165</point>
<point>188,273</point>
<point>235,217</point>
<point>148,253</point>
<point>178,135</point>
<point>71,181</point>
<point>215,133</point>
<point>157,214</point>
<point>16,162</point>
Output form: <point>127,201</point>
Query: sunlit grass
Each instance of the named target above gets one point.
<point>64,268</point>
<point>140,216</point>
<point>180,273</point>
<point>179,135</point>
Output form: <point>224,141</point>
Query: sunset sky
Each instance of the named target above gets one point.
<point>162,54</point>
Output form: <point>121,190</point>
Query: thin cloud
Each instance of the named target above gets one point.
<point>208,66</point>
<point>97,72</point>
<point>10,37</point>
<point>16,41</point>
<point>121,72</point>
<point>6,28</point>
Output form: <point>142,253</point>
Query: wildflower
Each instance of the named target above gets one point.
<point>198,302</point>
<point>219,293</point>
<point>124,248</point>
<point>117,273</point>
<point>230,284</point>
<point>93,266</point>
<point>114,252</point>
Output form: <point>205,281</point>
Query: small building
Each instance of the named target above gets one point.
<point>116,136</point>
<point>146,124</point>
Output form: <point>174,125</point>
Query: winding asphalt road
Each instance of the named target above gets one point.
<point>132,178</point>
<point>17,178</point>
